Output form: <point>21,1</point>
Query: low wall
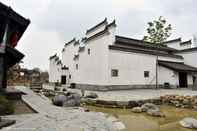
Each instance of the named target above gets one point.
<point>117,87</point>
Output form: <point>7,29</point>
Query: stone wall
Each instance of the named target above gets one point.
<point>114,87</point>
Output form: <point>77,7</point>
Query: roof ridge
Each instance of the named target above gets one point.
<point>97,25</point>
<point>148,44</point>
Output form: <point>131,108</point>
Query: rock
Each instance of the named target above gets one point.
<point>119,125</point>
<point>72,100</point>
<point>58,100</point>
<point>189,123</point>
<point>195,108</point>
<point>186,102</point>
<point>149,106</point>
<point>67,101</point>
<point>137,110</point>
<point>92,95</point>
<point>155,113</point>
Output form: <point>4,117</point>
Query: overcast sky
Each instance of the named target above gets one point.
<point>54,22</point>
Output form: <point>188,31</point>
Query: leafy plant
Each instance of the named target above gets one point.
<point>158,31</point>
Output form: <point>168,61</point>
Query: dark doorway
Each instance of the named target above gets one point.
<point>182,79</point>
<point>63,80</point>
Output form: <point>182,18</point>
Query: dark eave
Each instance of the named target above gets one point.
<point>177,66</point>
<point>71,41</point>
<point>97,34</point>
<point>174,40</point>
<point>76,43</point>
<point>126,49</point>
<point>186,50</point>
<point>113,23</point>
<point>141,43</point>
<point>65,68</point>
<point>13,17</point>
<point>99,24</point>
<point>189,42</point>
<point>51,57</point>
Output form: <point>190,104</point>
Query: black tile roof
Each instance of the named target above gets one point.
<point>51,57</point>
<point>186,50</point>
<point>71,41</point>
<point>99,24</point>
<point>13,17</point>
<point>189,42</point>
<point>177,66</point>
<point>143,51</point>
<point>174,40</point>
<point>140,43</point>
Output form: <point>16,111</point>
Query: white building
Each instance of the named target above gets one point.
<point>103,60</point>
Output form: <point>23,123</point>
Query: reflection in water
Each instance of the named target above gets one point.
<point>143,122</point>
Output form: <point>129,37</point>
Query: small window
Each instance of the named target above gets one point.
<point>146,74</point>
<point>89,51</point>
<point>77,66</point>
<point>70,76</point>
<point>114,73</point>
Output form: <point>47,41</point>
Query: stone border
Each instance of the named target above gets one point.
<point>113,87</point>
<point>120,104</point>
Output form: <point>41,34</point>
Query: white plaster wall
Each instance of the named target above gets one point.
<point>186,46</point>
<point>96,30</point>
<point>67,59</point>
<point>54,71</point>
<point>177,45</point>
<point>131,67</point>
<point>92,69</point>
<point>170,59</point>
<point>190,79</point>
<point>167,75</point>
<point>190,58</point>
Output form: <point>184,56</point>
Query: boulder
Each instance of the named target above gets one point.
<point>186,102</point>
<point>67,100</point>
<point>149,106</point>
<point>72,100</point>
<point>58,100</point>
<point>155,113</point>
<point>137,110</point>
<point>92,95</point>
<point>189,123</point>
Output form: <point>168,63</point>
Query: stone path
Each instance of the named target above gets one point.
<point>52,118</point>
<point>140,94</point>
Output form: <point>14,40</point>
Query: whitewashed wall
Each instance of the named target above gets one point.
<point>92,69</point>
<point>170,59</point>
<point>190,58</point>
<point>167,75</point>
<point>176,45</point>
<point>54,71</point>
<point>131,67</point>
<point>67,59</point>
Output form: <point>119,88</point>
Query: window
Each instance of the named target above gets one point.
<point>114,73</point>
<point>89,51</point>
<point>77,67</point>
<point>146,74</point>
<point>70,76</point>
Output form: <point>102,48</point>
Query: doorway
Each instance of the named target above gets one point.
<point>63,80</point>
<point>183,80</point>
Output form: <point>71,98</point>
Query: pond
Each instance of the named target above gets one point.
<point>143,122</point>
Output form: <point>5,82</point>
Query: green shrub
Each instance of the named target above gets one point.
<point>6,106</point>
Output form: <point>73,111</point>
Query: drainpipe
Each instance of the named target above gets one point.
<point>157,72</point>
